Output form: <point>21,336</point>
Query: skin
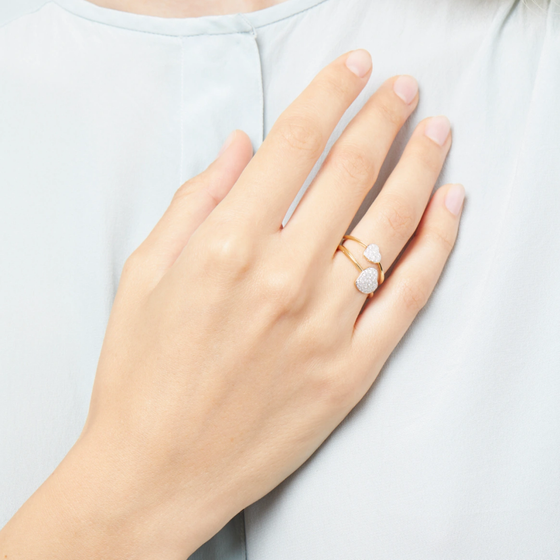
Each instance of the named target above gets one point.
<point>183,8</point>
<point>235,346</point>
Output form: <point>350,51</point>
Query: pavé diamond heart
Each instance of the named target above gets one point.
<point>367,280</point>
<point>372,254</point>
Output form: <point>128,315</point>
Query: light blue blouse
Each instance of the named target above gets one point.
<point>454,454</point>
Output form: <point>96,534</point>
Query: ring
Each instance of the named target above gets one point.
<point>372,254</point>
<point>370,278</point>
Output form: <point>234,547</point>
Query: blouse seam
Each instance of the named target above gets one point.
<point>260,72</point>
<point>181,112</point>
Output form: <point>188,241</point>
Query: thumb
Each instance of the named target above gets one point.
<point>192,203</point>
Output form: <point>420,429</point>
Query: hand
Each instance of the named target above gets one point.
<point>235,346</point>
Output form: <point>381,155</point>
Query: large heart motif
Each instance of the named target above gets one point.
<point>367,280</point>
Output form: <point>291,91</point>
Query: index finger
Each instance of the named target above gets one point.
<point>279,168</point>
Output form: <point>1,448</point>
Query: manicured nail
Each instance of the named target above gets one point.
<point>359,62</point>
<point>406,87</point>
<point>438,129</point>
<point>454,198</point>
<point>227,143</point>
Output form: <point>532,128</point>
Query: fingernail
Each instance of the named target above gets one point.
<point>438,129</point>
<point>406,87</point>
<point>454,198</point>
<point>228,141</point>
<point>359,62</point>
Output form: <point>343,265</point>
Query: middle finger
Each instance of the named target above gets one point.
<point>271,180</point>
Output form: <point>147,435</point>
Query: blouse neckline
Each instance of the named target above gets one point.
<point>203,25</point>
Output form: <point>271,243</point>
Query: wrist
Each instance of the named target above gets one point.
<point>100,502</point>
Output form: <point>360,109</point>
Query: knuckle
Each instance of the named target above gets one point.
<point>427,157</point>
<point>133,264</point>
<point>135,271</point>
<point>398,217</point>
<point>389,111</point>
<point>186,189</point>
<point>439,237</point>
<point>335,82</point>
<point>412,294</point>
<point>353,162</point>
<point>301,133</point>
<point>229,251</point>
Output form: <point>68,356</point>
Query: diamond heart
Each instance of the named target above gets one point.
<point>367,280</point>
<point>372,254</point>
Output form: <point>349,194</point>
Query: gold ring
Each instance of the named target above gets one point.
<point>371,253</point>
<point>367,280</point>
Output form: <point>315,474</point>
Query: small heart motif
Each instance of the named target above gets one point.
<point>367,280</point>
<point>372,254</point>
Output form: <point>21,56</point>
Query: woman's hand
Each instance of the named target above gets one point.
<point>235,346</point>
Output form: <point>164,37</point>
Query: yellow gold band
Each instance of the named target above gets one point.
<point>351,257</point>
<point>381,274</point>
<point>355,239</point>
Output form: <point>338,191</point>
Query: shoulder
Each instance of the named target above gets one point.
<point>11,10</point>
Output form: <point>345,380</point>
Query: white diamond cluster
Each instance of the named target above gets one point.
<point>367,280</point>
<point>372,254</point>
